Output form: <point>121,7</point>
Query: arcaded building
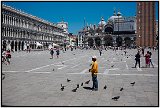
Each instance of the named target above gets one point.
<point>20,29</point>
<point>146,24</point>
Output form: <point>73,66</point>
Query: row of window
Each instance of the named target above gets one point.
<point>16,20</point>
<point>9,32</point>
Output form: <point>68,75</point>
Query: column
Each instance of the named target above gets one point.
<point>94,42</point>
<point>6,19</point>
<point>3,18</point>
<point>4,31</point>
<point>123,41</point>
<point>102,40</point>
<point>11,20</point>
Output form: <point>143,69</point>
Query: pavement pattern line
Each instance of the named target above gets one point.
<point>52,64</point>
<point>84,71</point>
<point>63,67</point>
<point>116,74</point>
<point>26,72</point>
<point>75,66</point>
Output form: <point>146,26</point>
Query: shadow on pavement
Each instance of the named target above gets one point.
<point>87,88</point>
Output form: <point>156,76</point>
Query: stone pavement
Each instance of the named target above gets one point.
<point>31,81</point>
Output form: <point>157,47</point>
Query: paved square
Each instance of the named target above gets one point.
<point>31,81</point>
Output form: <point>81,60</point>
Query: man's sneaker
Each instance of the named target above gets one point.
<point>95,89</point>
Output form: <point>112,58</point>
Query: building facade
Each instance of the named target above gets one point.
<point>117,31</point>
<point>20,30</point>
<point>146,24</point>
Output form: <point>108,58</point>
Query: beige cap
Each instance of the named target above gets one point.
<point>94,57</point>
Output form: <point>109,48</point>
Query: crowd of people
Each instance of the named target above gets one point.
<point>148,59</point>
<point>6,56</point>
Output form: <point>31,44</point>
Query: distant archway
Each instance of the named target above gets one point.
<point>4,45</point>
<point>127,41</point>
<point>108,40</point>
<point>16,46</point>
<point>109,29</point>
<point>119,41</point>
<point>12,45</point>
<point>98,41</point>
<point>90,42</point>
<point>19,45</point>
<point>22,45</point>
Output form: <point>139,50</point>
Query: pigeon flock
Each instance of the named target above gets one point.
<point>87,82</point>
<point>115,98</point>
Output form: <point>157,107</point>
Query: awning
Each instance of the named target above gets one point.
<point>55,44</point>
<point>38,44</point>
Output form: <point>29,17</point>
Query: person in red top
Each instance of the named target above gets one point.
<point>147,59</point>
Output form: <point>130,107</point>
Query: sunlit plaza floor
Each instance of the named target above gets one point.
<point>31,81</point>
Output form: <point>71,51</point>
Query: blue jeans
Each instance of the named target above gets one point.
<point>95,81</point>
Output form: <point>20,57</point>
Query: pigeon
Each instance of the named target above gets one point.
<point>3,77</point>
<point>112,66</point>
<point>116,98</point>
<point>132,83</point>
<point>121,59</point>
<point>121,89</point>
<point>62,63</point>
<point>68,80</point>
<point>53,69</point>
<point>62,87</point>
<point>87,82</point>
<point>74,90</point>
<point>77,85</point>
<point>105,87</point>
<point>81,84</point>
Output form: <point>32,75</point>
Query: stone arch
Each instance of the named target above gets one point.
<point>22,45</point>
<point>12,45</point>
<point>108,40</point>
<point>98,41</point>
<point>16,43</point>
<point>19,45</point>
<point>4,45</point>
<point>90,42</point>
<point>127,41</point>
<point>109,29</point>
<point>119,41</point>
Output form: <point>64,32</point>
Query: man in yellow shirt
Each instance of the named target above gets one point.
<point>94,71</point>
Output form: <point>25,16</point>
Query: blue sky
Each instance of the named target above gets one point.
<point>75,12</point>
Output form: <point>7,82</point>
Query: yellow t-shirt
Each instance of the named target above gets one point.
<point>94,68</point>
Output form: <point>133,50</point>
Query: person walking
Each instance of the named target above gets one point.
<point>147,59</point>
<point>151,60</point>
<point>57,51</point>
<point>137,59</point>
<point>100,52</point>
<point>51,52</point>
<point>143,51</point>
<point>8,56</point>
<point>4,57</point>
<point>94,71</point>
